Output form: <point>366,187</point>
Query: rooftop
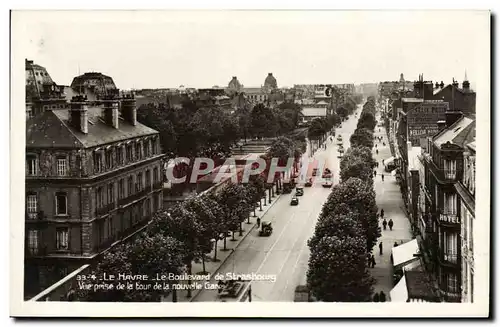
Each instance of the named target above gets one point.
<point>52,129</point>
<point>313,112</point>
<point>412,100</point>
<point>460,133</point>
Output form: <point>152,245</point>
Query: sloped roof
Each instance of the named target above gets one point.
<point>322,102</point>
<point>52,129</point>
<point>463,131</point>
<point>313,112</point>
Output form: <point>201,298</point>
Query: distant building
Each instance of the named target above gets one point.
<point>93,177</point>
<point>459,99</point>
<point>92,84</point>
<point>270,83</point>
<point>42,93</point>
<point>234,86</point>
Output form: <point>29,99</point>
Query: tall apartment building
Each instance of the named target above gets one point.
<point>466,190</point>
<point>93,178</point>
<point>443,170</point>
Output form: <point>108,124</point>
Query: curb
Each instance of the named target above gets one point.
<point>232,251</point>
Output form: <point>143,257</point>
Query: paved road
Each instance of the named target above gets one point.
<point>284,254</point>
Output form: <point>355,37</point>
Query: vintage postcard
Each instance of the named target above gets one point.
<point>175,163</point>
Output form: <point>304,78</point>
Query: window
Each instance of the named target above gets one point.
<point>61,166</point>
<point>119,155</point>
<point>146,149</point>
<point>111,231</point>
<point>138,182</point>
<point>140,211</point>
<point>32,165</point>
<point>450,169</point>
<point>148,207</point>
<point>148,178</point>
<point>153,146</point>
<point>450,246</point>
<point>130,186</point>
<point>129,153</point>
<point>109,159</point>
<point>452,283</point>
<point>111,193</point>
<point>138,151</point>
<point>470,232</point>
<point>450,204</point>
<point>61,204</point>
<point>156,200</point>
<point>99,197</point>
<point>97,162</point>
<point>32,205</point>
<point>33,241</point>
<point>155,175</point>
<point>472,286</point>
<point>62,238</point>
<point>100,230</point>
<point>121,188</point>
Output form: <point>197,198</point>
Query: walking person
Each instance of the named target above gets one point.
<point>374,173</point>
<point>372,261</point>
<point>258,223</point>
<point>382,296</point>
<point>384,223</point>
<point>376,151</point>
<point>391,223</point>
<point>382,177</point>
<point>380,248</point>
<point>382,213</point>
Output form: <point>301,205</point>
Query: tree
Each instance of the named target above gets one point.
<point>257,189</point>
<point>355,166</point>
<point>282,149</point>
<point>145,255</point>
<point>360,198</point>
<point>160,118</point>
<point>263,121</point>
<point>338,270</point>
<point>362,137</point>
<point>361,151</point>
<point>367,120</point>
<point>342,111</point>
<point>338,224</point>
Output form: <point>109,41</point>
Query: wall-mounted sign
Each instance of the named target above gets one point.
<point>422,120</point>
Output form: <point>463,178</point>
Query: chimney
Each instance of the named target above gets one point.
<point>441,84</point>
<point>436,86</point>
<point>452,116</point>
<point>129,110</point>
<point>441,125</point>
<point>270,74</point>
<point>78,114</point>
<point>110,110</point>
<point>466,85</point>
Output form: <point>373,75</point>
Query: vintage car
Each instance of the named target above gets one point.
<point>266,228</point>
<point>328,184</point>
<point>299,191</point>
<point>327,173</point>
<point>294,201</point>
<point>309,182</point>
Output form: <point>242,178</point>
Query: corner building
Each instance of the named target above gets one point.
<point>92,179</point>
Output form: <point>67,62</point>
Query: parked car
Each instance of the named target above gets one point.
<point>315,171</point>
<point>266,228</point>
<point>299,191</point>
<point>294,201</point>
<point>309,183</point>
<point>328,184</point>
<point>327,173</point>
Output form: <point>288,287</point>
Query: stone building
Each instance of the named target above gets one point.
<point>93,177</point>
<point>459,99</point>
<point>466,190</point>
<point>42,93</point>
<point>270,83</point>
<point>443,168</point>
<point>234,86</point>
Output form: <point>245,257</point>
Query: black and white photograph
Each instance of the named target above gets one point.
<point>162,158</point>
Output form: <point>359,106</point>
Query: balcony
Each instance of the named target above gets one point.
<point>443,176</point>
<point>449,258</point>
<point>135,196</point>
<point>105,209</point>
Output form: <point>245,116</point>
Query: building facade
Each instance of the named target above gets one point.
<point>466,190</point>
<point>93,178</point>
<point>444,168</point>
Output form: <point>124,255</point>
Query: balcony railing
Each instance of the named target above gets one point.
<point>105,209</point>
<point>135,196</point>
<point>442,175</point>
<point>450,218</point>
<point>450,257</point>
<point>450,174</point>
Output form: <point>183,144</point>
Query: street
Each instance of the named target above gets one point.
<point>285,253</point>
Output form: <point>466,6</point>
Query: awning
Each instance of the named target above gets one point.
<point>399,293</point>
<point>403,254</point>
<point>389,161</point>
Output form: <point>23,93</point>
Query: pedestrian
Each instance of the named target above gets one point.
<point>382,161</point>
<point>258,223</point>
<point>376,151</point>
<point>383,143</point>
<point>380,248</point>
<point>382,296</point>
<point>374,173</point>
<point>376,297</point>
<point>382,213</point>
<point>395,244</point>
<point>382,177</point>
<point>375,145</point>
<point>373,263</point>
<point>384,223</point>
<point>391,223</point>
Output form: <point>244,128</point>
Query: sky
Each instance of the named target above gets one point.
<point>145,49</point>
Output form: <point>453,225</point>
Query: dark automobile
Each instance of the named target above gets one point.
<point>328,184</point>
<point>327,173</point>
<point>299,191</point>
<point>309,183</point>
<point>266,229</point>
<point>294,201</point>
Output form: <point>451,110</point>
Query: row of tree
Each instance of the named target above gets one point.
<point>186,233</point>
<point>211,131</point>
<point>347,228</point>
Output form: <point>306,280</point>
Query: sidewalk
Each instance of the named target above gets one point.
<point>222,256</point>
<point>388,197</point>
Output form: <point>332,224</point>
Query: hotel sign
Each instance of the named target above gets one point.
<point>422,120</point>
